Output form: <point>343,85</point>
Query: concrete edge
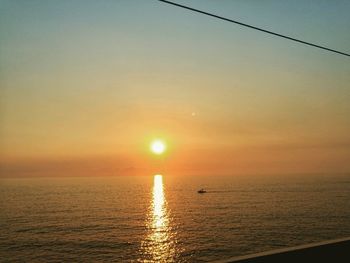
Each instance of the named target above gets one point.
<point>283,250</point>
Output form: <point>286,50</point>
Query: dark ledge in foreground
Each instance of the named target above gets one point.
<point>337,250</point>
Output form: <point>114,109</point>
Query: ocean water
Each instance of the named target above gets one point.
<point>162,218</point>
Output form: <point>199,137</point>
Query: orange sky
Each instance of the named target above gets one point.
<point>86,89</point>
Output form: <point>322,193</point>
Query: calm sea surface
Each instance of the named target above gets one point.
<point>164,219</point>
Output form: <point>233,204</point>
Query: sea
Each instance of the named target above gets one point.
<point>162,218</point>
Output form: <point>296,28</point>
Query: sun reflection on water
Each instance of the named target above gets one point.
<point>159,245</point>
<point>159,209</point>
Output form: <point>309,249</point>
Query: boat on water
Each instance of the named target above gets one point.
<point>201,191</point>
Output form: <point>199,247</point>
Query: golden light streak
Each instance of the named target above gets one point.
<point>159,245</point>
<point>158,202</point>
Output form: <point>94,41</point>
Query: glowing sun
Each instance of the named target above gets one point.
<point>158,147</point>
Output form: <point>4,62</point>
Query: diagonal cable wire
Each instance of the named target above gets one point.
<point>255,28</point>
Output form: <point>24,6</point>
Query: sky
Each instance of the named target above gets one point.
<point>87,85</point>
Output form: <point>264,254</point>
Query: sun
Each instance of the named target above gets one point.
<point>158,147</point>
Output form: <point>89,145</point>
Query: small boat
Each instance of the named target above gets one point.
<point>201,191</point>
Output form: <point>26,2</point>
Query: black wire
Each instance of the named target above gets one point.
<point>254,27</point>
